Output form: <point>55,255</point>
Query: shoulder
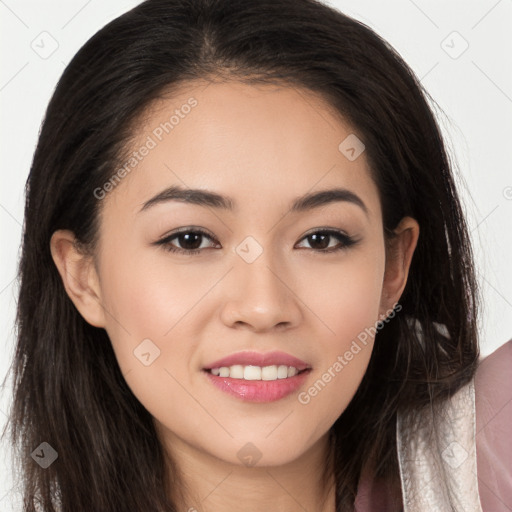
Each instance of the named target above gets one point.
<point>493,407</point>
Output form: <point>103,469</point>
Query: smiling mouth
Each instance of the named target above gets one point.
<point>255,373</point>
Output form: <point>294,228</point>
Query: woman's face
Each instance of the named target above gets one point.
<point>266,284</point>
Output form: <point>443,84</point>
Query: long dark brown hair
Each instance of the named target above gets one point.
<point>68,387</point>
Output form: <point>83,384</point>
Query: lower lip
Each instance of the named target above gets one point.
<point>258,390</point>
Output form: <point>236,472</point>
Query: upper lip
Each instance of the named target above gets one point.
<point>259,359</point>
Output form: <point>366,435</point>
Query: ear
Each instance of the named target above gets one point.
<point>79,276</point>
<point>399,252</point>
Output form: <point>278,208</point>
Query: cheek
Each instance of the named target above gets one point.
<point>154,297</point>
<point>345,297</point>
<point>343,362</point>
<point>347,303</point>
<point>153,329</point>
<point>149,300</point>
<point>334,385</point>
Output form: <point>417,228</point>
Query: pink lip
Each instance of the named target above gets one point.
<point>259,359</point>
<point>258,390</point>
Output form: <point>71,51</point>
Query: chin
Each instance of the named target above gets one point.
<point>260,451</point>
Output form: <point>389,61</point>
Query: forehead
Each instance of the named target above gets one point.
<point>259,144</point>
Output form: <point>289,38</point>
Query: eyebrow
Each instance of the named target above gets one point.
<point>206,198</point>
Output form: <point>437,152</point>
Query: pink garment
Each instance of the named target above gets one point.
<point>493,402</point>
<point>493,428</point>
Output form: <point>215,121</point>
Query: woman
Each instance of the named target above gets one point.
<point>246,279</point>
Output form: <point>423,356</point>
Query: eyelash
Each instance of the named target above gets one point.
<point>346,241</point>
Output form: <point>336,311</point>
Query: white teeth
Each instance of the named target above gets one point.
<point>292,371</point>
<point>236,371</point>
<point>269,373</point>
<point>282,372</point>
<point>250,372</point>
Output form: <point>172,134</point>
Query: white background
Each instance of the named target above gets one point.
<point>474,90</point>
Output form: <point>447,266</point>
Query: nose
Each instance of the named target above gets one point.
<point>259,296</point>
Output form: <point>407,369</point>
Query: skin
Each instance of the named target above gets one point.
<point>263,146</point>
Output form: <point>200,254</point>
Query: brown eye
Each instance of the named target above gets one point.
<point>189,241</point>
<point>321,241</point>
<point>186,241</point>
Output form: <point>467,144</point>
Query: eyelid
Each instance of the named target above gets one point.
<point>325,229</point>
<point>186,229</point>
